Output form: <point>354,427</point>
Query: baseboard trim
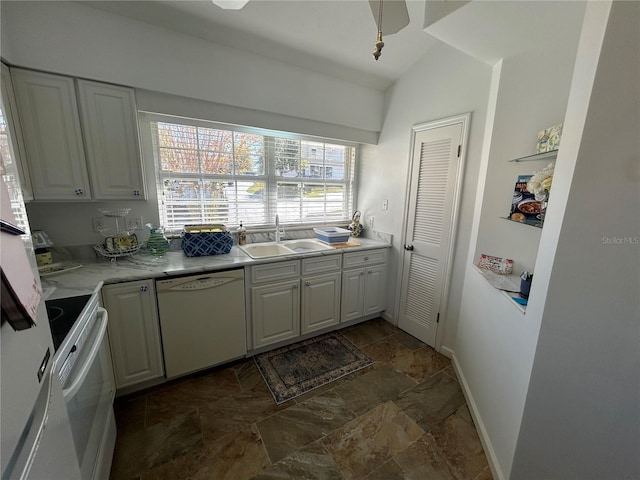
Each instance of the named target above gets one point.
<point>496,471</point>
<point>446,351</point>
<point>389,318</point>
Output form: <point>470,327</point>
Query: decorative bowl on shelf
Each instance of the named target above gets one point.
<point>114,212</point>
<point>530,207</point>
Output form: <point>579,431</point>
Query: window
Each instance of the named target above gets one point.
<point>213,173</point>
<point>9,171</point>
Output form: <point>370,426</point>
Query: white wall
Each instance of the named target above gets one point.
<point>442,84</point>
<point>190,74</point>
<point>495,343</point>
<point>530,99</point>
<point>77,40</point>
<point>582,412</point>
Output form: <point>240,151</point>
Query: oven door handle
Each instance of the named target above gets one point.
<point>102,320</point>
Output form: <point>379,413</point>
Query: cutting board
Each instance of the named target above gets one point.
<point>343,245</point>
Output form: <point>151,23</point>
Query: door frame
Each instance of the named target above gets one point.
<point>464,119</point>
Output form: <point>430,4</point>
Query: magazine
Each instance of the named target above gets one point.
<point>524,207</point>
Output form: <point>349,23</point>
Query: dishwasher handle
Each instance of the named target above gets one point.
<point>196,283</point>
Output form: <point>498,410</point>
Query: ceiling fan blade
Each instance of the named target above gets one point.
<point>394,15</point>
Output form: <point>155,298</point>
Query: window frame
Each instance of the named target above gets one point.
<point>270,179</point>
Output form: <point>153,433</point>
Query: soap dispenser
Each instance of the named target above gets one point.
<point>242,235</point>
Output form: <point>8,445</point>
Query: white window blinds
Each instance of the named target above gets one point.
<point>212,173</point>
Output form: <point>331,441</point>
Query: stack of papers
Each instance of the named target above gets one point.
<point>509,283</point>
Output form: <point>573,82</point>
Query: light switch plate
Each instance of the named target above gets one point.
<point>134,223</point>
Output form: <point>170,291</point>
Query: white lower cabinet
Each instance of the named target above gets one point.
<point>320,301</point>
<point>374,290</point>
<point>294,298</point>
<point>275,312</point>
<point>134,332</point>
<point>363,288</point>
<point>352,294</point>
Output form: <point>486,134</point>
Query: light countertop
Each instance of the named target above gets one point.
<point>143,266</point>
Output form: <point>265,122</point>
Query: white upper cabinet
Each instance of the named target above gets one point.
<point>51,131</point>
<point>13,130</point>
<point>108,118</point>
<point>80,143</point>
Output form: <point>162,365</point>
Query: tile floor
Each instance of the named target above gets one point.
<point>404,417</point>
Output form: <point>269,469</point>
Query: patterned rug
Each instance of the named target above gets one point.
<point>296,369</point>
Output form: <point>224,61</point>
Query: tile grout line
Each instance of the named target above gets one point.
<point>264,447</point>
<point>332,390</point>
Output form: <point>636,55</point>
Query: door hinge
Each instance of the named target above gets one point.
<point>459,150</point>
<point>438,318</point>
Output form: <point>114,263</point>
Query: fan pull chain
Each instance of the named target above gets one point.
<point>379,43</point>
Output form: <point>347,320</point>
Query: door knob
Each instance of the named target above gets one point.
<point>408,247</point>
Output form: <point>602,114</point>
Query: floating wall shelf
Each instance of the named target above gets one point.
<point>538,156</point>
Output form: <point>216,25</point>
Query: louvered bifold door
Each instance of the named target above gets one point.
<point>429,225</point>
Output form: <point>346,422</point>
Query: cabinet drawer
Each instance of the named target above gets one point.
<point>367,257</point>
<point>321,264</point>
<point>275,271</point>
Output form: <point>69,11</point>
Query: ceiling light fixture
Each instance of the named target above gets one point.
<point>379,43</point>
<point>230,4</point>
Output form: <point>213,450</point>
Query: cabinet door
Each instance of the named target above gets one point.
<point>110,128</point>
<point>53,140</point>
<point>320,301</point>
<point>374,292</point>
<point>275,312</point>
<point>133,332</point>
<point>13,130</point>
<point>352,294</point>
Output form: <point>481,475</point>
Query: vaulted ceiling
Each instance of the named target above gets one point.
<point>336,37</point>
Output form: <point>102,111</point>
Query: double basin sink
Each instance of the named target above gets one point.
<point>287,247</point>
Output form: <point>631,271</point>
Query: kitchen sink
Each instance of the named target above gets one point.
<point>306,245</point>
<point>289,247</point>
<point>269,249</point>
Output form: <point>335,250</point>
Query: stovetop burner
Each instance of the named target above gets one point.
<point>63,313</point>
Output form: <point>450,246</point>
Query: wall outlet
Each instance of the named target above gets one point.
<point>370,221</point>
<point>134,223</point>
<point>103,223</point>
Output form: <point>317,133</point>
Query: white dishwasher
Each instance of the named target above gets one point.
<point>202,320</point>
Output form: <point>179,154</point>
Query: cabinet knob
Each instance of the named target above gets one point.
<point>308,284</point>
<point>296,286</point>
<point>143,288</point>
<point>366,259</point>
<point>136,193</point>
<point>79,192</point>
<point>408,247</point>
<point>370,272</point>
<point>361,273</point>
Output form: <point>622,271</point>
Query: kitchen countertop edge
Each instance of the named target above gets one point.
<point>146,267</point>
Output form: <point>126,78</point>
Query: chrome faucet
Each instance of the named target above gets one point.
<point>278,232</point>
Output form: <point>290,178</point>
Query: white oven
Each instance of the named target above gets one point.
<point>83,365</point>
